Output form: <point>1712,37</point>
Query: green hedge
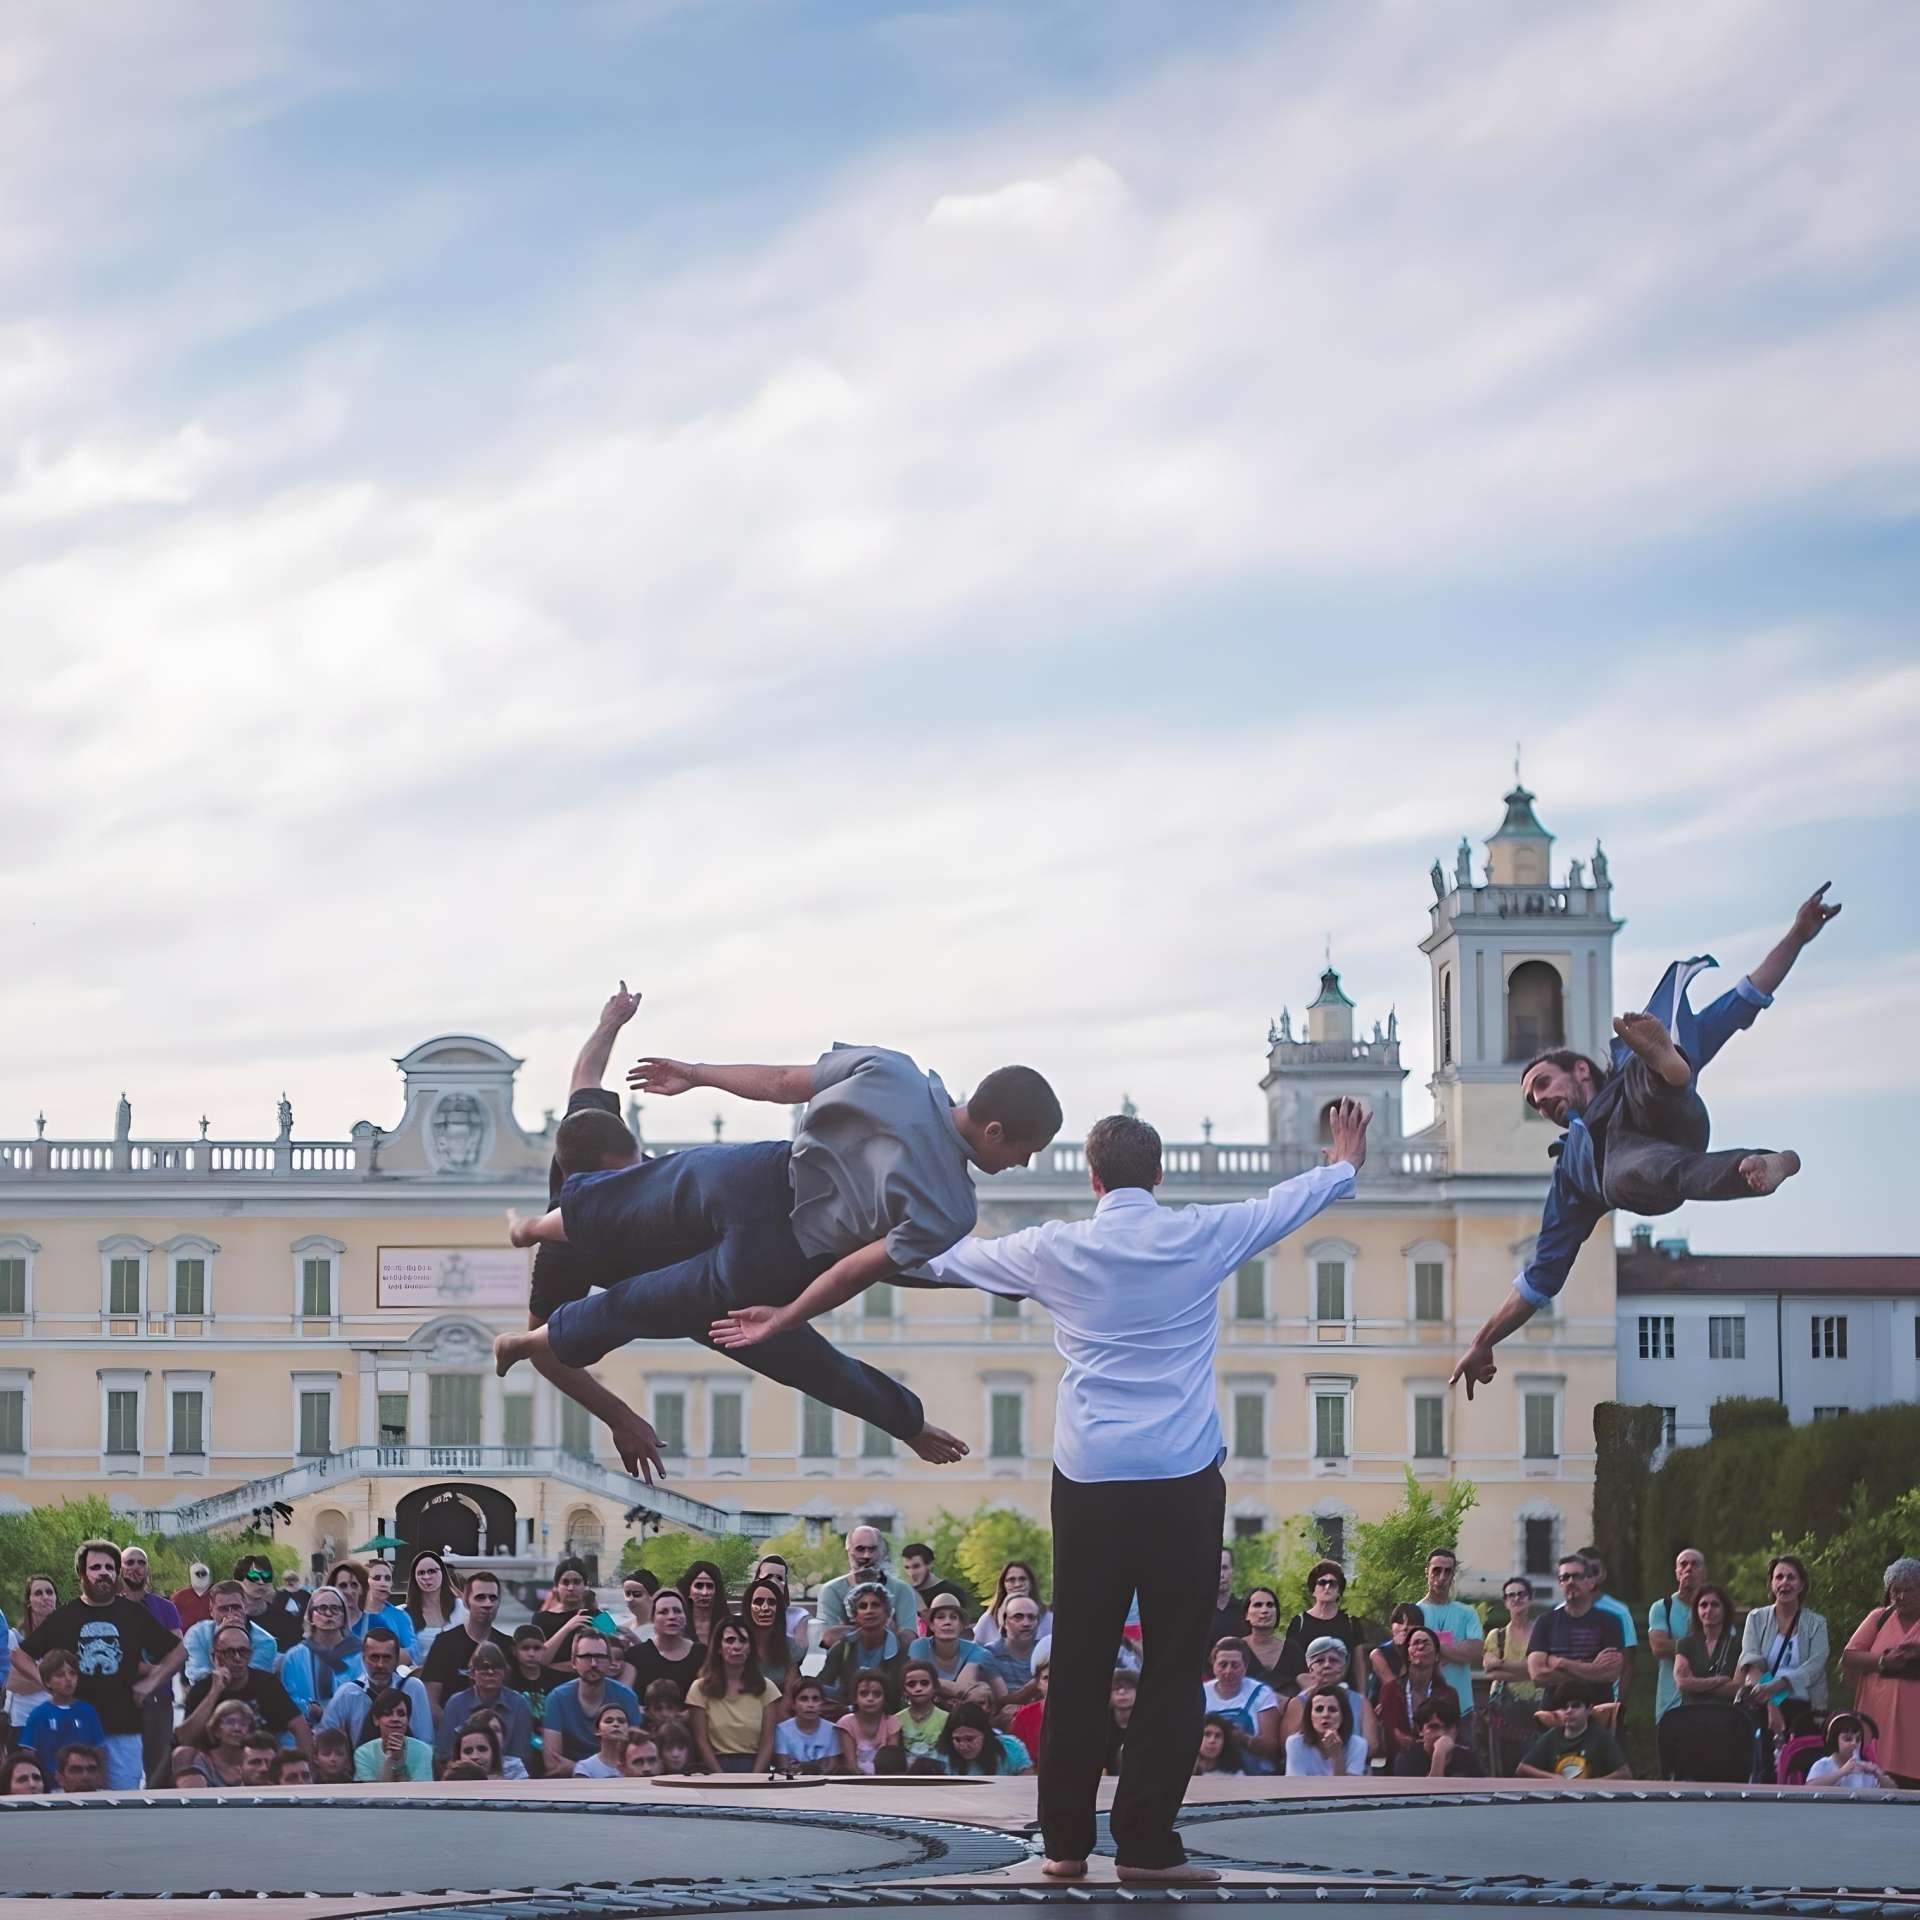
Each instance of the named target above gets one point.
<point>1625,1440</point>
<point>1739,1414</point>
<point>1736,1493</point>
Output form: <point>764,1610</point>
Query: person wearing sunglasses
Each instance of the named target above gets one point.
<point>268,1604</point>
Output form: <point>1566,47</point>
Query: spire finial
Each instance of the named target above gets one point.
<point>1516,763</point>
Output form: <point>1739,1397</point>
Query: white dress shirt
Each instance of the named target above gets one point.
<point>1134,1297</point>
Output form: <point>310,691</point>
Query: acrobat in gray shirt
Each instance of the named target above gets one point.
<point>878,1157</point>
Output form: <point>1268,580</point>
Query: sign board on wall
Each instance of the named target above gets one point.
<point>431,1279</point>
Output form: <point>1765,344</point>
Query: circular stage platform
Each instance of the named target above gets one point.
<point>894,1855</point>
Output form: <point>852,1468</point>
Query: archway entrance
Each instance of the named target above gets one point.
<point>463,1519</point>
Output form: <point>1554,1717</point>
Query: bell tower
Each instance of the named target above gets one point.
<point>1519,962</point>
<point>1329,1062</point>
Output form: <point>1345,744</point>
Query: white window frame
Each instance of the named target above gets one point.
<point>1319,1386</point>
<point>316,1246</point>
<point>124,1246</point>
<point>187,1246</point>
<point>329,1384</point>
<point>1020,1385</point>
<point>1418,1390</point>
<point>123,1380</point>
<point>20,1380</point>
<point>725,1389</point>
<point>1664,1329</point>
<point>1829,1340</point>
<point>1737,1323</point>
<point>198,1381</point>
<point>1538,1510</point>
<point>1328,1253</point>
<point>17,1246</point>
<point>1250,1386</point>
<point>1554,1384</point>
<point>1427,1253</point>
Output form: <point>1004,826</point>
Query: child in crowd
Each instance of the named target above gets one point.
<point>332,1757</point>
<point>923,1719</point>
<point>663,1705</point>
<point>869,1727</point>
<point>610,1728</point>
<point>392,1753</point>
<point>1387,1662</point>
<point>1328,1743</point>
<point>476,1745</point>
<point>1579,1748</point>
<point>1025,1724</point>
<point>1219,1746</point>
<point>968,1744</point>
<point>511,1766</point>
<point>676,1749</point>
<point>1437,1751</point>
<point>807,1742</point>
<point>1843,1767</point>
<point>1123,1694</point>
<point>58,1721</point>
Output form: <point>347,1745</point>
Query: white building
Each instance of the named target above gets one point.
<point>1826,1333</point>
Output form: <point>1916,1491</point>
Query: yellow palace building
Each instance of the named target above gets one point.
<point>204,1329</point>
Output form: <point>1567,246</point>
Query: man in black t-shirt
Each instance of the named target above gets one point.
<point>449,1662</point>
<point>234,1678</point>
<point>124,1654</point>
<point>1577,1640</point>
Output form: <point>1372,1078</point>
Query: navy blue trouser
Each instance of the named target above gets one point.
<point>709,1230</point>
<point>1112,1539</point>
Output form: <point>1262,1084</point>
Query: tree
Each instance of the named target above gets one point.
<point>1280,1560</point>
<point>44,1539</point>
<point>668,1555</point>
<point>1390,1557</point>
<point>996,1535</point>
<point>1625,1440</point>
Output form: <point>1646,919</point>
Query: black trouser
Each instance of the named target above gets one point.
<point>1654,1155</point>
<point>1111,1540</point>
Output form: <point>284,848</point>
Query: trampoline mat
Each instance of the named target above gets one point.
<point>274,1847</point>
<point>1813,1840</point>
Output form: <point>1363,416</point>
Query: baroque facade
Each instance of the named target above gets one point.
<point>205,1329</point>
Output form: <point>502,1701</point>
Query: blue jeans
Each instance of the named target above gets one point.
<point>713,1228</point>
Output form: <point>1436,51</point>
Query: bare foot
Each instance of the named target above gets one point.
<point>1764,1172</point>
<point>511,1348</point>
<point>1654,1044</point>
<point>938,1445</point>
<point>1064,1869</point>
<point>519,1229</point>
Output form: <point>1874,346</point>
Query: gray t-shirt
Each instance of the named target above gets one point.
<point>878,1157</point>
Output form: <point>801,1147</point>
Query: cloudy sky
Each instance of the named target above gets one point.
<point>993,528</point>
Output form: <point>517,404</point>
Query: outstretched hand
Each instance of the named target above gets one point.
<point>638,1446</point>
<point>620,1008</point>
<point>1477,1367</point>
<point>1814,913</point>
<point>1347,1123</point>
<point>746,1327</point>
<point>655,1075</point>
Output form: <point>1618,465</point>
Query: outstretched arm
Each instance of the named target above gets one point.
<point>633,1438</point>
<point>785,1086</point>
<point>1813,914</point>
<point>590,1068</point>
<point>1565,1223</point>
<point>864,1267</point>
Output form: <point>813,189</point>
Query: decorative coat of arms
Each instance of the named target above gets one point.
<point>458,1132</point>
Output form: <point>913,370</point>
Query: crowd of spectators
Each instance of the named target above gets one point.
<point>386,1672</point>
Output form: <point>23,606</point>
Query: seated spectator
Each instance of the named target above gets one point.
<point>257,1753</point>
<point>891,1761</point>
<point>464,1770</point>
<point>871,1647</point>
<point>22,1773</point>
<point>1249,1705</point>
<point>1783,1659</point>
<point>1267,1657</point>
<point>570,1606</point>
<point>573,1708</point>
<point>528,1677</point>
<point>957,1663</point>
<point>1123,1695</point>
<point>227,1607</point>
<point>1438,1753</point>
<point>733,1707</point>
<point>1325,1618</point>
<point>635,1628</point>
<point>869,1726</point>
<point>60,1720</point>
<point>326,1658</point>
<point>765,1611</point>
<point>1388,1661</point>
<point>291,1769</point>
<point>676,1750</point>
<point>672,1654</point>
<point>772,1566</point>
<point>1008,1664</point>
<point>807,1742</point>
<point>379,1672</point>
<point>704,1588</point>
<point>1330,1742</point>
<point>432,1602</point>
<point>666,1705</point>
<point>392,1754</point>
<point>1706,1662</point>
<point>1219,1746</point>
<point>968,1744</point>
<point>332,1758</point>
<point>488,1691</point>
<point>1327,1660</point>
<point>383,1610</point>
<point>609,1761</point>
<point>1843,1767</point>
<point>234,1680</point>
<point>217,1745</point>
<point>641,1757</point>
<point>1400,1699</point>
<point>190,1775</point>
<point>1883,1656</point>
<point>1579,1748</point>
<point>270,1606</point>
<point>1027,1723</point>
<point>1017,1580</point>
<point>80,1769</point>
<point>923,1718</point>
<point>512,1767</point>
<point>348,1578</point>
<point>448,1667</point>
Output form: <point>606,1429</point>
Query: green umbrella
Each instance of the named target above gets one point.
<point>380,1543</point>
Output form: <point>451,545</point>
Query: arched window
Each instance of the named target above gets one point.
<point>1446,1018</point>
<point>1534,1019</point>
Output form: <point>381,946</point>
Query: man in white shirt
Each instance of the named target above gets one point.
<point>1138,1501</point>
